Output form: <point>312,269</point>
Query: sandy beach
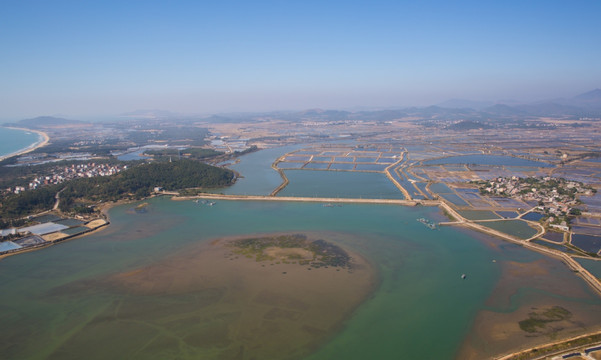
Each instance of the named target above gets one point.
<point>43,142</point>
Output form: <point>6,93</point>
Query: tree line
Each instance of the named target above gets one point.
<point>134,183</point>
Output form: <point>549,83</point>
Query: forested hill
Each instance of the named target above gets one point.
<point>140,181</point>
<point>134,183</point>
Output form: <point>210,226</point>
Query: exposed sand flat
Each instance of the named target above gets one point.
<point>96,223</point>
<point>54,236</point>
<point>223,305</point>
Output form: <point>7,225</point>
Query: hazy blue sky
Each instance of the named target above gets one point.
<point>104,57</point>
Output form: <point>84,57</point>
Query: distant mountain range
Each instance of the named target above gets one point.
<point>587,104</point>
<point>473,114</point>
<point>465,104</point>
<point>41,122</point>
<point>150,114</point>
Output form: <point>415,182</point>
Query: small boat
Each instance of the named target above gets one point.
<point>430,224</point>
<point>463,276</point>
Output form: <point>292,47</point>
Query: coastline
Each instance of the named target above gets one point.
<point>495,330</point>
<point>463,223</point>
<point>56,242</point>
<point>551,349</point>
<point>104,214</point>
<point>460,221</point>
<point>43,141</point>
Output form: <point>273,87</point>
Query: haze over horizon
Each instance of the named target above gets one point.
<point>106,58</point>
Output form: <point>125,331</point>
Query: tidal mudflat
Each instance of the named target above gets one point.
<point>536,300</point>
<point>163,283</point>
<point>210,301</point>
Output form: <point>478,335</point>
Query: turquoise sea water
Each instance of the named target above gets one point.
<point>57,303</point>
<point>258,176</point>
<point>12,140</point>
<point>53,298</point>
<point>400,318</point>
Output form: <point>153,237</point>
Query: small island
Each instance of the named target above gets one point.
<point>292,249</point>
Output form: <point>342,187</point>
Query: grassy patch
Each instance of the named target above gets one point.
<point>292,249</point>
<point>538,320</point>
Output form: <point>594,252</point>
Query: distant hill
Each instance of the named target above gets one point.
<point>504,110</point>
<point>549,109</point>
<point>478,112</point>
<point>438,112</point>
<point>588,103</point>
<point>468,125</point>
<point>465,104</point>
<point>325,115</point>
<point>48,122</point>
<point>588,100</point>
<point>149,114</point>
<point>380,115</point>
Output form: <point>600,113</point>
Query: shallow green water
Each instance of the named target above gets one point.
<point>404,312</point>
<point>421,297</point>
<point>477,214</point>
<point>339,184</point>
<point>517,228</point>
<point>594,267</point>
<point>258,176</point>
<point>53,298</point>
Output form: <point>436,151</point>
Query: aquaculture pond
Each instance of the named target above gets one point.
<point>593,266</point>
<point>588,243</point>
<point>533,216</point>
<point>343,184</point>
<point>487,160</point>
<point>478,214</point>
<point>516,228</point>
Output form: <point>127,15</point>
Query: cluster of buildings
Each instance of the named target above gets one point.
<point>556,197</point>
<point>229,144</point>
<point>61,174</point>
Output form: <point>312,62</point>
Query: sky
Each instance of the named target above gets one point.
<point>96,58</point>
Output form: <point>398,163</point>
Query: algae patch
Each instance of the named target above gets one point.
<point>540,321</point>
<point>292,249</point>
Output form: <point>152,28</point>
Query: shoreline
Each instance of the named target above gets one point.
<point>593,283</point>
<point>538,352</point>
<point>47,244</point>
<point>460,221</point>
<point>43,141</point>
